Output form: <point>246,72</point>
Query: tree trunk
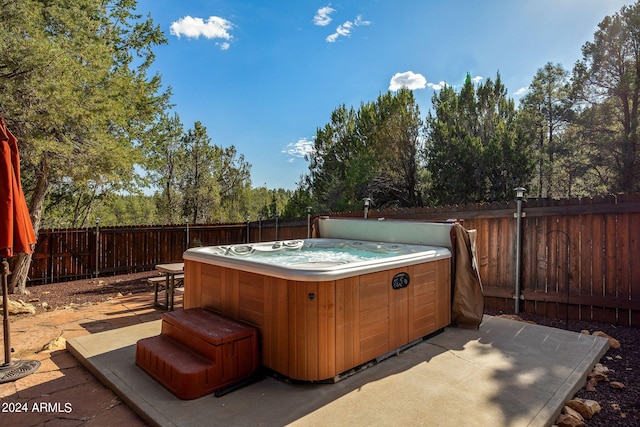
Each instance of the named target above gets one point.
<point>22,261</point>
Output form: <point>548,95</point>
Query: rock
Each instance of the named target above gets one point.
<point>591,385</point>
<point>565,420</point>
<point>597,377</point>
<point>573,413</point>
<point>613,343</point>
<point>599,367</point>
<point>599,373</point>
<point>59,343</point>
<point>585,332</point>
<point>586,408</point>
<point>593,406</point>
<point>616,384</point>
<point>19,307</point>
<point>516,318</point>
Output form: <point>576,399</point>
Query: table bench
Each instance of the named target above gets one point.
<point>173,274</point>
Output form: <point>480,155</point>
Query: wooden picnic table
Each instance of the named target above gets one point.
<point>170,271</point>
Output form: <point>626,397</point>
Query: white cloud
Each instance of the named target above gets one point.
<point>408,79</point>
<point>361,22</point>
<point>344,30</point>
<point>437,86</point>
<point>521,91</point>
<point>322,18</point>
<point>477,79</point>
<point>301,148</point>
<point>214,28</point>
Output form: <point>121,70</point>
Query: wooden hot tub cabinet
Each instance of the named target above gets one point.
<point>316,330</point>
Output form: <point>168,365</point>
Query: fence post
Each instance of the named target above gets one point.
<point>519,196</point>
<point>187,230</point>
<point>97,271</point>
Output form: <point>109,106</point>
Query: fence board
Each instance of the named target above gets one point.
<point>634,255</point>
<point>610,253</point>
<point>574,260</point>
<point>597,255</point>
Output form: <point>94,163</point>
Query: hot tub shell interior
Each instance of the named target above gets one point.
<point>318,326</point>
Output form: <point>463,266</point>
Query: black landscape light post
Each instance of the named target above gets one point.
<point>308,222</point>
<point>259,227</point>
<point>248,219</point>
<point>519,214</point>
<point>367,202</point>
<point>277,213</point>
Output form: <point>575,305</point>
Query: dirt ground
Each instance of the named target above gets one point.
<point>620,407</point>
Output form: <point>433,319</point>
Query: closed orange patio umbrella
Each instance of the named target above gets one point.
<point>16,236</point>
<point>16,231</point>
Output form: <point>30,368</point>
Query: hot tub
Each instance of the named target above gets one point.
<point>327,305</point>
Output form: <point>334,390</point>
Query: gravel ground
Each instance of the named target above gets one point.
<point>620,407</point>
<point>55,296</point>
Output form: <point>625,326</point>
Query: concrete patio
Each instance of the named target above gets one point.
<point>507,373</point>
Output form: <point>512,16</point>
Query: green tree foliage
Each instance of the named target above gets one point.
<point>336,161</point>
<point>164,157</point>
<point>198,185</point>
<point>263,203</point>
<point>367,153</point>
<point>300,199</point>
<point>548,106</point>
<point>215,182</point>
<point>233,175</point>
<point>74,89</point>
<point>391,127</point>
<point>475,151</point>
<point>121,210</point>
<point>608,83</point>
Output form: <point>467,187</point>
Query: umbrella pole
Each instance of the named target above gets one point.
<point>11,370</point>
<point>5,312</point>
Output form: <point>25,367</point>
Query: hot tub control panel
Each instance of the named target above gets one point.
<point>400,280</point>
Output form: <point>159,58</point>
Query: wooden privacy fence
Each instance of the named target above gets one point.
<point>71,254</point>
<point>580,257</point>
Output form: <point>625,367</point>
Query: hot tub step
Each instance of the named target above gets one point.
<point>184,372</point>
<point>199,352</point>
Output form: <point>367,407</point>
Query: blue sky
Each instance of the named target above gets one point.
<point>264,75</point>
